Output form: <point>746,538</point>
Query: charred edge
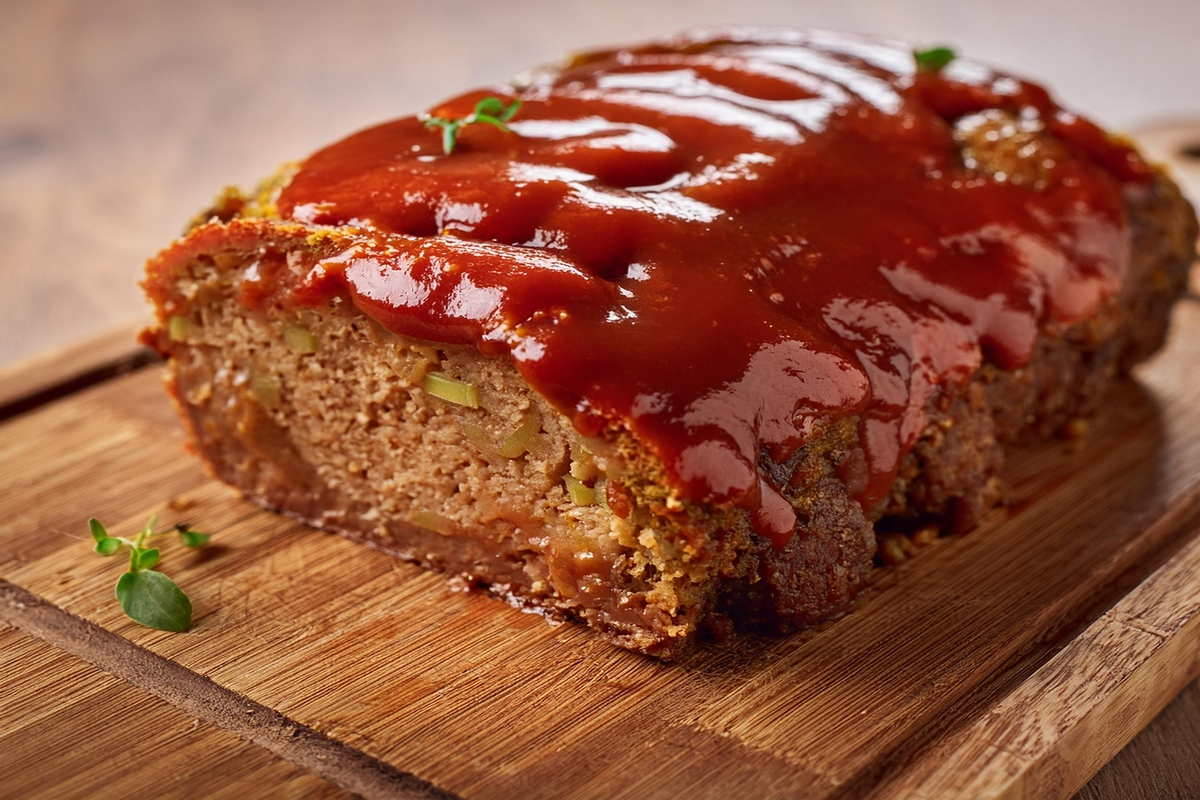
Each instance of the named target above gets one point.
<point>138,359</point>
<point>207,700</point>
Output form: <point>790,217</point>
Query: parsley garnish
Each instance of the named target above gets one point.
<point>933,59</point>
<point>490,110</point>
<point>146,596</point>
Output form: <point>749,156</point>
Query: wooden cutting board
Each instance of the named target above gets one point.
<point>1010,662</point>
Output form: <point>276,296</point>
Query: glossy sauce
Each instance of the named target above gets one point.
<point>720,239</point>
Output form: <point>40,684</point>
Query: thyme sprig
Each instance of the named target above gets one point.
<point>489,111</point>
<point>149,597</point>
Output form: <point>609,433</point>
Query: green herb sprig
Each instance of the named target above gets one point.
<point>149,597</point>
<point>934,59</point>
<point>489,110</point>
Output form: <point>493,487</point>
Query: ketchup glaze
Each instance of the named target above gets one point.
<point>721,238</point>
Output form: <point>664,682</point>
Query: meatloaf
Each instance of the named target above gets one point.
<point>660,338</point>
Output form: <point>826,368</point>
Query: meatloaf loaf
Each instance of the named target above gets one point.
<point>658,339</point>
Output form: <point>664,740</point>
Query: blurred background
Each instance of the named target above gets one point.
<point>121,118</point>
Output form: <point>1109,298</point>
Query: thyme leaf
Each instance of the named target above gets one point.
<point>933,59</point>
<point>488,111</point>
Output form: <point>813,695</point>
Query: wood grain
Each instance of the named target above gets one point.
<point>1060,725</point>
<point>56,373</point>
<point>204,699</point>
<point>123,743</point>
<point>477,699</point>
<point>1163,761</point>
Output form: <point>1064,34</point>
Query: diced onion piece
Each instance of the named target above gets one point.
<point>179,328</point>
<point>523,438</point>
<point>583,464</point>
<point>539,445</point>
<point>601,492</point>
<point>452,390</point>
<point>580,495</point>
<point>432,521</point>
<point>592,444</point>
<point>299,339</point>
<point>266,390</point>
<point>477,436</point>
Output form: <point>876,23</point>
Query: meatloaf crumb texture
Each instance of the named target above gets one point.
<point>324,415</point>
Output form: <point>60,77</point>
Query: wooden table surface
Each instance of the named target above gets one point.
<point>119,120</point>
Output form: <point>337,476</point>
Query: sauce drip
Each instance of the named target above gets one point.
<point>719,239</point>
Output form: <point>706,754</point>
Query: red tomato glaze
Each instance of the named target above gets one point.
<point>721,238</point>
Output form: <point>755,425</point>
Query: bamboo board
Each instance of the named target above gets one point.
<point>125,743</point>
<point>1011,662</point>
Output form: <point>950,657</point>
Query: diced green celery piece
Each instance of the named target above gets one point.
<point>179,328</point>
<point>580,495</point>
<point>450,389</point>
<point>299,339</point>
